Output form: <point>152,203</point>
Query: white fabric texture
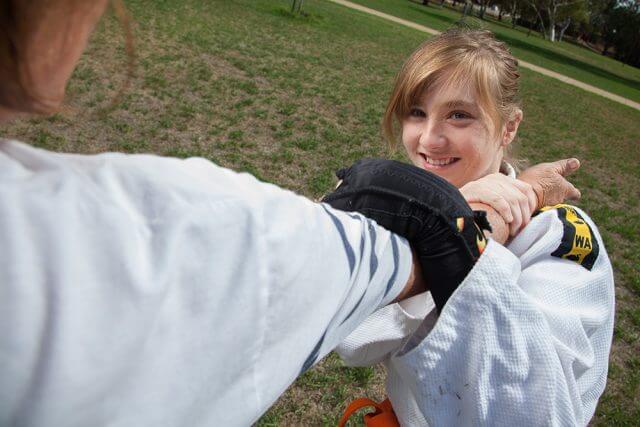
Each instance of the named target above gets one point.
<point>137,290</point>
<point>524,340</point>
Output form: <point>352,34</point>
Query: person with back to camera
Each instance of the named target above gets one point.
<point>140,290</point>
<point>525,339</point>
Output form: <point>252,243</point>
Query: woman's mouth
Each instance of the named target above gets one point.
<point>437,163</point>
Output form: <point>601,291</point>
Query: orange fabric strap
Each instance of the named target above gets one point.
<point>383,416</point>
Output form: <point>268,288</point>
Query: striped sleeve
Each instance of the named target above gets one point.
<point>333,269</point>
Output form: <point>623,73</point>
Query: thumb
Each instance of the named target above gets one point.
<point>567,166</point>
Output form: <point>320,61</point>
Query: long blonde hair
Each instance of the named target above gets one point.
<point>458,57</point>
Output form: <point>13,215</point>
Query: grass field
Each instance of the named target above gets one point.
<point>291,99</point>
<point>562,57</point>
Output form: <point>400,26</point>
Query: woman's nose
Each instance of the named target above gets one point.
<point>432,138</point>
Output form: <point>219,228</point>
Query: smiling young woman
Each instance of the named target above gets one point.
<point>474,79</point>
<point>528,342</point>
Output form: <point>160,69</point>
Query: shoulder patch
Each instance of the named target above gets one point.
<point>578,242</point>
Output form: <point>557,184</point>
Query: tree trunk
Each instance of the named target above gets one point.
<point>514,9</point>
<point>564,28</point>
<point>552,24</point>
<point>465,10</point>
<point>296,6</point>
<point>483,7</point>
<point>425,2</point>
<point>543,30</point>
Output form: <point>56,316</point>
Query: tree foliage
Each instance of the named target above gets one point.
<point>614,23</point>
<point>621,26</point>
<point>552,14</point>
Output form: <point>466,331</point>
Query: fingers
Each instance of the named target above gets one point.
<point>508,191</point>
<point>524,201</point>
<point>526,189</point>
<point>489,192</point>
<point>525,210</point>
<point>502,206</point>
<point>572,192</point>
<point>567,166</point>
<point>514,226</point>
<point>519,208</point>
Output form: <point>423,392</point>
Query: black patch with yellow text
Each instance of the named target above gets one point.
<point>578,241</point>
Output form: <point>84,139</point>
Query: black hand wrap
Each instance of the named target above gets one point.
<point>422,207</point>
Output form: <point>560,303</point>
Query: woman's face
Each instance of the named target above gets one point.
<point>447,134</point>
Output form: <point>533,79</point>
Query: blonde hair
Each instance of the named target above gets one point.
<point>457,57</point>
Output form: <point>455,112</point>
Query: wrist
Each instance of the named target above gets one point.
<point>415,284</point>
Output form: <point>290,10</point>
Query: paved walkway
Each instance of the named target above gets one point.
<point>523,64</point>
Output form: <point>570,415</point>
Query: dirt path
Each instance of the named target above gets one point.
<point>523,64</point>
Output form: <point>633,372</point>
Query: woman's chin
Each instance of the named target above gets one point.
<point>448,171</point>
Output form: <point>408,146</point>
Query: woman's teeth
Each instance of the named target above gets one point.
<point>439,162</point>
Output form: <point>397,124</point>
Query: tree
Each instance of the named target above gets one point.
<point>515,8</point>
<point>623,25</point>
<point>572,16</point>
<point>296,6</point>
<point>465,9</point>
<point>510,7</point>
<point>599,11</point>
<point>553,10</point>
<point>483,7</point>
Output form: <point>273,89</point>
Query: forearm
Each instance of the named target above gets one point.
<point>415,283</point>
<point>500,229</point>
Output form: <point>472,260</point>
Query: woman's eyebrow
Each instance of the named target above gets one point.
<point>458,103</point>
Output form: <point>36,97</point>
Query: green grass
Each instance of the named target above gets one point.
<point>291,99</point>
<point>563,57</point>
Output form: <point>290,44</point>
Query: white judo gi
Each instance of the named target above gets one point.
<point>524,340</point>
<point>137,290</point>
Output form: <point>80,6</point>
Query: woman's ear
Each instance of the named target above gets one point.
<point>511,127</point>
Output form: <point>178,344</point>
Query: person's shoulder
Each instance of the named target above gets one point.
<point>565,232</point>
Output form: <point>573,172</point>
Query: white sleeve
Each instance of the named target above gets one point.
<point>524,340</point>
<point>139,290</point>
<point>384,331</point>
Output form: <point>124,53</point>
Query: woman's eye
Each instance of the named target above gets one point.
<point>459,115</point>
<point>416,112</point>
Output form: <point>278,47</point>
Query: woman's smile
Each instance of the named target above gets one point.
<point>438,163</point>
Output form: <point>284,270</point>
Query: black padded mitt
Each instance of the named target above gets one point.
<point>422,207</point>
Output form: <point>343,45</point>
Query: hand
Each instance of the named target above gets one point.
<point>513,199</point>
<point>549,183</point>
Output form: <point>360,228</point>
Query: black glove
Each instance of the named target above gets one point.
<point>422,207</point>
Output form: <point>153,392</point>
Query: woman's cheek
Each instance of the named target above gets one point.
<point>410,140</point>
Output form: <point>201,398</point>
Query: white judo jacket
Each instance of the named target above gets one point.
<point>524,340</point>
<point>137,290</point>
